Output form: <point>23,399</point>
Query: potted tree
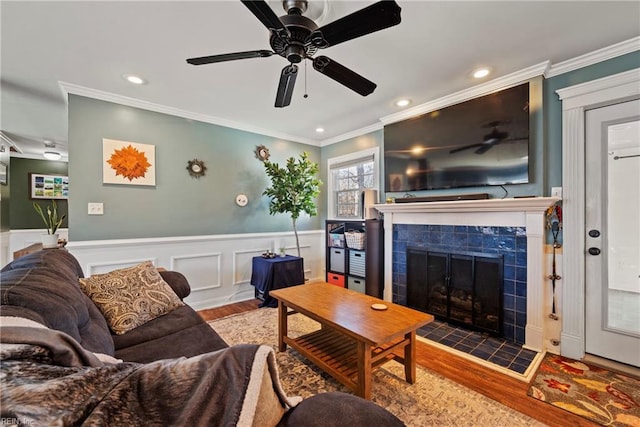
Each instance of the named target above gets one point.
<point>52,222</point>
<point>294,189</point>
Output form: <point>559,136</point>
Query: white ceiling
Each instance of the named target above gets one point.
<point>89,45</point>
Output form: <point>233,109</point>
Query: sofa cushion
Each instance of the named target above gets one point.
<point>130,297</point>
<point>43,286</point>
<point>164,343</point>
<point>181,318</point>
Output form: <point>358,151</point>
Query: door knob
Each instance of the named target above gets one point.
<point>594,233</point>
<point>594,251</point>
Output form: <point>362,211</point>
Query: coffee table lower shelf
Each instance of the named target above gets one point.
<point>337,354</point>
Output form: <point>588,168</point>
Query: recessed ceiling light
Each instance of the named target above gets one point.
<point>480,73</point>
<point>51,155</point>
<point>403,102</point>
<point>132,78</point>
<point>319,129</point>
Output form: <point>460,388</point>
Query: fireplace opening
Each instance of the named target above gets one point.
<point>463,288</point>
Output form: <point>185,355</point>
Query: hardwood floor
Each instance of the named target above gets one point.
<point>499,387</point>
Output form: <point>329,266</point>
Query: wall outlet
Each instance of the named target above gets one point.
<point>556,192</point>
<point>95,209</point>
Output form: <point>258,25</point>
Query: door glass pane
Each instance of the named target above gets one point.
<point>622,297</point>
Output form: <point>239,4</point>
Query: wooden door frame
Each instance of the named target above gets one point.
<point>575,101</point>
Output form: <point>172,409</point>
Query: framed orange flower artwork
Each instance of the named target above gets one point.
<point>129,163</point>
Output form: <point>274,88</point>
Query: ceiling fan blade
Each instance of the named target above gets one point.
<point>267,16</point>
<point>466,147</point>
<point>343,75</point>
<point>229,57</point>
<point>378,16</point>
<point>484,148</point>
<point>285,87</point>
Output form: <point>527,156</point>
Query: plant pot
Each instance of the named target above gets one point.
<point>49,241</point>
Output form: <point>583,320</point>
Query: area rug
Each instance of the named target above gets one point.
<point>432,401</point>
<point>597,394</point>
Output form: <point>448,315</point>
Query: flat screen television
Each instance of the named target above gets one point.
<point>480,142</point>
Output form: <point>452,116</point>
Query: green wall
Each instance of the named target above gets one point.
<point>178,205</point>
<point>21,212</point>
<point>553,106</point>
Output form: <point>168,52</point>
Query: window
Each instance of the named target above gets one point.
<point>348,177</point>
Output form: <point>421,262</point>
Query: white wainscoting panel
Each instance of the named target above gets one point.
<point>105,267</point>
<point>203,272</point>
<point>217,267</point>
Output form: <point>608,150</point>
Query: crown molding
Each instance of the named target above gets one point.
<point>464,95</point>
<point>10,142</point>
<point>545,69</point>
<point>594,57</point>
<point>70,88</point>
<point>353,134</point>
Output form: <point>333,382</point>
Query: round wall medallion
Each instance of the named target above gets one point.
<point>242,200</point>
<point>262,153</point>
<point>196,168</point>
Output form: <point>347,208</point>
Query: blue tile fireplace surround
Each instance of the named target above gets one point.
<point>509,242</point>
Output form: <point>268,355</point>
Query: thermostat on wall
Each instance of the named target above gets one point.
<point>242,200</point>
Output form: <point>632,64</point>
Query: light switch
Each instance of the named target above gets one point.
<point>95,208</point>
<point>556,192</point>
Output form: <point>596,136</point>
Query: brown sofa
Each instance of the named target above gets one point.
<point>51,378</point>
<point>43,287</point>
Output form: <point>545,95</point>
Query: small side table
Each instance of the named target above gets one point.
<point>268,274</point>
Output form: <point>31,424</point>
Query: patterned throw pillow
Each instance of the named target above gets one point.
<point>130,297</point>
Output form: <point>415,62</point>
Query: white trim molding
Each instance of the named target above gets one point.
<point>521,212</point>
<point>70,88</point>
<point>594,57</point>
<point>218,267</point>
<point>576,100</point>
<point>494,85</point>
<point>374,151</point>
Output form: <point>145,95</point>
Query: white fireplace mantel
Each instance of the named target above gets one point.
<point>528,212</point>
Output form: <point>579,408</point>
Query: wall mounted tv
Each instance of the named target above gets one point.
<point>480,142</point>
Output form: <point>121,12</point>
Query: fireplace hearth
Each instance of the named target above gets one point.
<point>463,288</point>
<point>512,227</point>
<point>508,244</point>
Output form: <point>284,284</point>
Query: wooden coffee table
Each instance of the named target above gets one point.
<point>354,338</point>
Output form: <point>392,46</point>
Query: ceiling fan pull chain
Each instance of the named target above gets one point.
<point>306,95</point>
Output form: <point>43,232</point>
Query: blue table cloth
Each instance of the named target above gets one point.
<point>275,273</point>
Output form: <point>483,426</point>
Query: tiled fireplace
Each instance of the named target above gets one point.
<point>509,243</point>
<point>512,228</point>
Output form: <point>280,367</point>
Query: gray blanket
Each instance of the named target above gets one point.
<point>49,379</point>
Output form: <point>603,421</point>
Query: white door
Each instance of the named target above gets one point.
<point>612,216</point>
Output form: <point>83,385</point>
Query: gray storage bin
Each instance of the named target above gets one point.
<point>356,284</point>
<point>336,260</point>
<point>357,264</point>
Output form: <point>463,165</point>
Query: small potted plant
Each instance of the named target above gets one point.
<point>52,222</point>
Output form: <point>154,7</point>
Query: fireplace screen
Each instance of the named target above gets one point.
<point>463,288</point>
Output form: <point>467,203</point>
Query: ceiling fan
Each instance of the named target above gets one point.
<point>490,140</point>
<point>296,37</point>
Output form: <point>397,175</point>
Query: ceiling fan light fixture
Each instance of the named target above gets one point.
<point>51,155</point>
<point>481,72</point>
<point>135,79</point>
